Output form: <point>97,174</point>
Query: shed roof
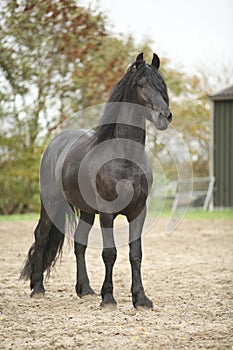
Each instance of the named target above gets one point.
<point>226,94</point>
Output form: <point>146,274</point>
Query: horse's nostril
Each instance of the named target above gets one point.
<point>169,118</point>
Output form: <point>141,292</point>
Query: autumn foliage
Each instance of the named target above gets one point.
<point>57,58</point>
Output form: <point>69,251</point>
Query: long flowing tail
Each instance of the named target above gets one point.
<point>52,250</point>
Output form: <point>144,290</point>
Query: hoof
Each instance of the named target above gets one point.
<point>85,292</point>
<point>38,293</point>
<point>108,306</point>
<point>143,303</point>
<point>108,302</point>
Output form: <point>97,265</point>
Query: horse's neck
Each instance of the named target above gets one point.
<point>131,127</point>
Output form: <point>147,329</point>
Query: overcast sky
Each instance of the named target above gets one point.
<point>189,32</point>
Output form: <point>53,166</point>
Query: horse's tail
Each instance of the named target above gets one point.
<point>27,269</point>
<point>53,249</point>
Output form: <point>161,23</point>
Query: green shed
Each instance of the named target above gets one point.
<point>221,166</point>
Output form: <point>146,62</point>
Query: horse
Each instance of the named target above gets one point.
<point>104,171</point>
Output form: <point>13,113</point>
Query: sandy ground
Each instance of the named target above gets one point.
<point>188,275</point>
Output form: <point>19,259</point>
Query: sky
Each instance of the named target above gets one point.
<point>191,33</point>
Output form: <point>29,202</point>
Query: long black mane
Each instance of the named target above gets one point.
<point>124,91</point>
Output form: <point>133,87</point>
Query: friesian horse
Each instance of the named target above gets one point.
<point>106,172</point>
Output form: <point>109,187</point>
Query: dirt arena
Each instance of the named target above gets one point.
<point>188,275</point>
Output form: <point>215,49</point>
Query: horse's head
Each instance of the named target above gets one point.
<point>148,89</point>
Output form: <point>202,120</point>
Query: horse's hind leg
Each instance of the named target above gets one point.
<point>37,264</point>
<point>109,255</point>
<point>85,224</point>
<point>46,249</point>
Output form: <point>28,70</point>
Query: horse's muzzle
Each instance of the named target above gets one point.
<point>161,121</point>
<point>169,118</point>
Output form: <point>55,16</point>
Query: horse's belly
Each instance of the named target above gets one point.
<point>76,179</point>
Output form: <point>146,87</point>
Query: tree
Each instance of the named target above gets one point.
<point>54,54</point>
<point>57,58</point>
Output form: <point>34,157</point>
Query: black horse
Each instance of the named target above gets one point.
<point>103,172</point>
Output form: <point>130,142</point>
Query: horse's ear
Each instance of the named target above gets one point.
<point>139,60</point>
<point>155,61</point>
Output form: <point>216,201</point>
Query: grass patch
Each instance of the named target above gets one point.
<point>19,217</point>
<point>193,214</point>
<point>209,215</point>
<point>198,214</point>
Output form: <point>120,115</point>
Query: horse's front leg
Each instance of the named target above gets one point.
<point>81,238</point>
<point>139,297</point>
<point>109,255</point>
